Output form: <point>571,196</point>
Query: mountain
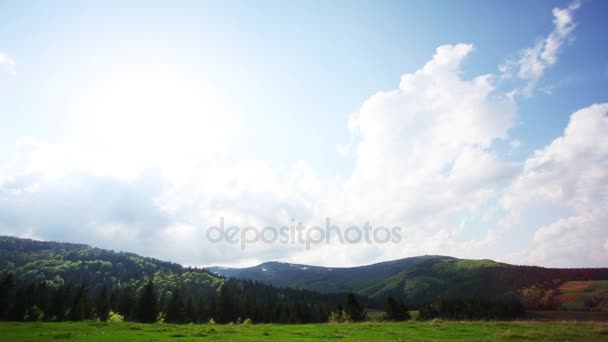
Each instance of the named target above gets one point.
<point>59,263</point>
<point>29,264</point>
<point>417,280</point>
<point>420,280</point>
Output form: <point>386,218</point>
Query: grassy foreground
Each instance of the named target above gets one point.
<point>409,331</point>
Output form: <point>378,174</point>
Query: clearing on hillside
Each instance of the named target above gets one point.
<point>584,295</point>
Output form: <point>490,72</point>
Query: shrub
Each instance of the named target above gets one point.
<point>114,317</point>
<point>160,318</point>
<point>339,316</point>
<point>248,321</point>
<point>34,314</point>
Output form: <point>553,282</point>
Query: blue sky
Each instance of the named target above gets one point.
<point>193,110</point>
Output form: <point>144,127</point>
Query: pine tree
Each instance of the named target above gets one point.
<point>396,310</point>
<point>190,315</point>
<point>18,310</point>
<point>147,304</point>
<point>175,308</point>
<point>102,305</point>
<point>202,315</point>
<point>213,309</point>
<point>6,296</point>
<point>81,308</point>
<point>225,305</point>
<point>127,303</point>
<point>249,307</point>
<point>58,304</point>
<point>353,308</point>
<point>43,299</point>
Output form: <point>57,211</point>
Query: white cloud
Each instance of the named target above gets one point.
<point>533,61</point>
<point>7,63</point>
<point>344,149</point>
<point>570,175</point>
<point>571,171</point>
<point>515,144</point>
<point>428,144</point>
<point>423,157</point>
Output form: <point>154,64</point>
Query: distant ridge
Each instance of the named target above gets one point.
<point>417,280</point>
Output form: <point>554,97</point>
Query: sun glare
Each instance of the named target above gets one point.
<point>154,113</point>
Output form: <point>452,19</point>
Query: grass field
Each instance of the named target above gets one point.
<point>408,331</point>
<point>574,294</point>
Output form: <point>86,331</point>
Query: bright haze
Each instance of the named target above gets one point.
<point>480,128</point>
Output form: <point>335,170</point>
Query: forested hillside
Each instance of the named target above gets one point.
<point>66,263</point>
<point>424,279</point>
<point>61,281</point>
<point>54,280</point>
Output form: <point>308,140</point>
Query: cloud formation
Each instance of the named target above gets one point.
<point>533,61</point>
<point>7,64</point>
<point>424,157</point>
<point>570,175</point>
<point>426,148</point>
<point>427,157</point>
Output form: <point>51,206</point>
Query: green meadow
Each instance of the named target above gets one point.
<point>369,331</point>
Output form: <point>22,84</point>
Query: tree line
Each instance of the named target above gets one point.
<point>504,307</point>
<point>62,281</point>
<point>231,303</point>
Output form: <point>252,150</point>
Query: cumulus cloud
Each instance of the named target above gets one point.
<point>533,61</point>
<point>7,64</point>
<point>571,171</point>
<point>569,176</point>
<point>428,144</point>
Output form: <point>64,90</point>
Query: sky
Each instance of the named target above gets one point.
<point>479,128</point>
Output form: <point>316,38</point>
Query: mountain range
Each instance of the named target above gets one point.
<point>418,280</point>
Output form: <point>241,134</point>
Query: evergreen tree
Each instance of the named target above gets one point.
<point>226,312</point>
<point>42,300</point>
<point>147,308</point>
<point>17,312</point>
<point>175,308</point>
<point>57,307</point>
<point>267,309</point>
<point>190,314</point>
<point>127,303</point>
<point>396,310</point>
<point>353,308</point>
<point>249,307</point>
<point>81,308</point>
<point>6,296</point>
<point>202,315</point>
<point>102,304</point>
<point>213,309</point>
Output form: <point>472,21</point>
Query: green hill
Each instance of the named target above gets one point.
<point>60,263</point>
<point>45,271</point>
<point>418,280</point>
